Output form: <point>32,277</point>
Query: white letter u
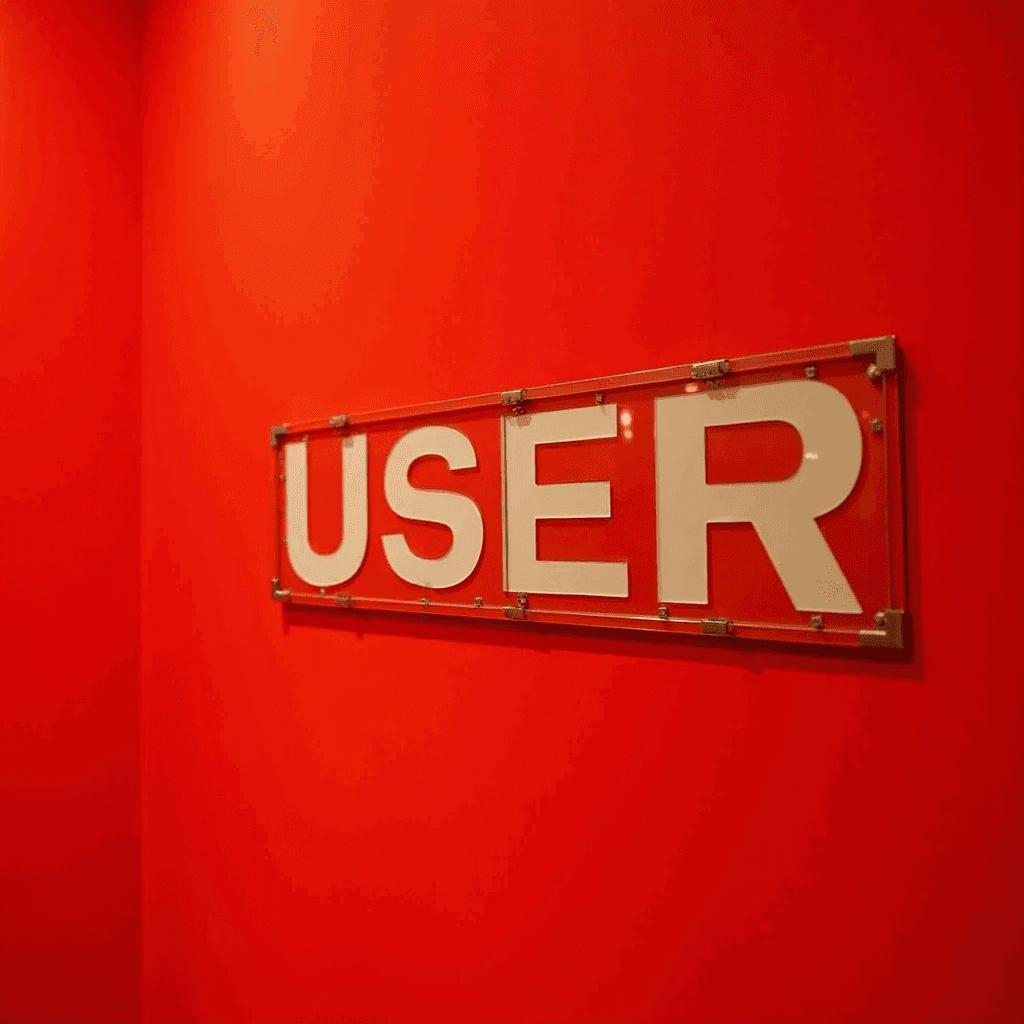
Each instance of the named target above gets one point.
<point>341,565</point>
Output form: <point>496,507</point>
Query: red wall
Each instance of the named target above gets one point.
<point>378,819</point>
<point>69,508</point>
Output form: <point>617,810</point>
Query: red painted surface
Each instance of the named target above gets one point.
<point>69,511</point>
<point>389,820</point>
<point>395,821</point>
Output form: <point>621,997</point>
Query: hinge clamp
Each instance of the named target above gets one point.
<point>883,348</point>
<point>513,397</point>
<point>889,632</point>
<point>337,422</point>
<point>716,627</point>
<point>276,593</point>
<point>517,611</point>
<point>711,368</point>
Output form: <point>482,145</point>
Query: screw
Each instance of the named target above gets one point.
<point>598,399</point>
<point>876,426</point>
<point>323,592</point>
<point>817,622</point>
<point>478,601</point>
<point>874,373</point>
<point>425,601</point>
<point>879,619</point>
<point>280,477</point>
<point>810,372</point>
<point>662,611</point>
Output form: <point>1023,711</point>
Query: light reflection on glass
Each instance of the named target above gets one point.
<point>625,417</point>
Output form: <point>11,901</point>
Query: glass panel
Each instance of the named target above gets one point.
<point>764,502</point>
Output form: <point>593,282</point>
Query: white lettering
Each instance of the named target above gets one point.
<point>527,501</point>
<point>783,512</point>
<point>340,566</point>
<point>456,511</point>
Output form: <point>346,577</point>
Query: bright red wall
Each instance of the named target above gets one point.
<point>69,509</point>
<point>355,819</point>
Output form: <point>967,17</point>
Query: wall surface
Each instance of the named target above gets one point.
<point>69,503</point>
<point>350,206</point>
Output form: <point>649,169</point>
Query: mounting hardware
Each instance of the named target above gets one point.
<point>883,348</point>
<point>513,397</point>
<point>338,421</point>
<point>425,601</point>
<point>323,591</point>
<point>716,627</point>
<point>810,372</point>
<point>343,600</point>
<point>599,399</point>
<point>276,433</point>
<point>711,368</point>
<point>280,476</point>
<point>889,632</point>
<point>663,611</point>
<point>876,425</point>
<point>478,601</point>
<point>817,622</point>
<point>276,593</point>
<point>517,611</point>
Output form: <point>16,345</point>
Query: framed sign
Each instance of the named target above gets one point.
<point>759,496</point>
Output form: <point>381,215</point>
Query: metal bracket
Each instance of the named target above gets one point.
<point>343,600</point>
<point>513,397</point>
<point>716,627</point>
<point>517,611</point>
<point>276,593</point>
<point>711,368</point>
<point>889,632</point>
<point>883,348</point>
<point>276,432</point>
<point>338,421</point>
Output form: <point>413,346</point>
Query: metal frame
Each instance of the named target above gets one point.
<point>889,631</point>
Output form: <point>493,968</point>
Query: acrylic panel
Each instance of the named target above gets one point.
<point>757,497</point>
